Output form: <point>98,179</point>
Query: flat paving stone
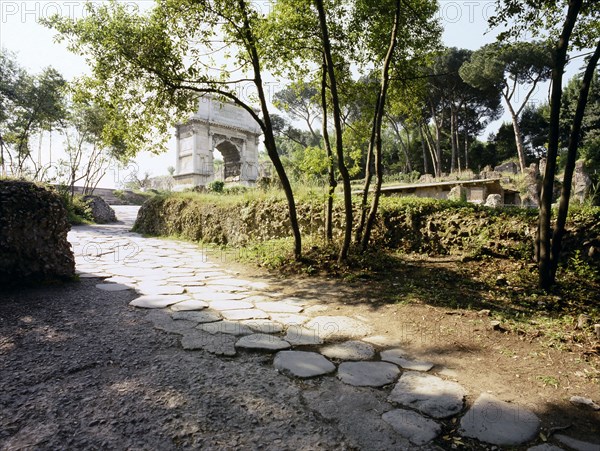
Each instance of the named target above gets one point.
<point>577,445</point>
<point>262,342</point>
<point>198,317</point>
<point>160,289</point>
<point>428,394</point>
<point>289,319</point>
<point>259,298</point>
<point>500,423</point>
<point>299,336</point>
<point>264,326</point>
<point>218,344</point>
<point>215,296</point>
<point>113,287</point>
<point>412,426</point>
<point>338,327</point>
<point>302,364</point>
<point>237,315</point>
<point>398,356</point>
<point>230,305</point>
<point>349,350</point>
<point>226,327</point>
<point>278,307</point>
<point>191,304</point>
<point>545,447</point>
<point>368,374</point>
<point>157,301</point>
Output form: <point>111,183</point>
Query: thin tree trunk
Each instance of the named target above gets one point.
<point>432,151</point>
<point>368,178</point>
<point>518,134</point>
<point>337,115</point>
<point>565,195</point>
<point>544,230</point>
<point>330,167</point>
<point>425,161</point>
<point>270,144</point>
<point>385,81</point>
<point>453,139</point>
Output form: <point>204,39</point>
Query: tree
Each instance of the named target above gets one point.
<point>570,25</point>
<point>88,153</point>
<point>151,68</point>
<point>400,37</point>
<point>454,106</point>
<point>29,104</point>
<point>507,68</point>
<point>300,100</point>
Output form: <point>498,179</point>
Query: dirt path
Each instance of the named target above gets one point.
<point>80,368</point>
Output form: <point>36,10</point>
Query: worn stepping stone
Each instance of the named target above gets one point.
<point>226,327</point>
<point>429,394</point>
<point>299,336</point>
<point>302,364</point>
<point>198,317</point>
<point>112,287</point>
<point>157,301</point>
<point>349,350</point>
<point>264,326</point>
<point>289,319</point>
<point>398,356</point>
<point>338,327</point>
<point>418,429</point>
<point>160,289</point>
<point>368,374</point>
<point>215,296</point>
<point>278,307</point>
<point>545,447</point>
<point>237,315</point>
<point>191,304</point>
<point>230,305</point>
<point>500,423</point>
<point>262,342</point>
<point>219,344</point>
<point>577,445</point>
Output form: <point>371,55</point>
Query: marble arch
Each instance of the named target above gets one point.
<point>225,127</point>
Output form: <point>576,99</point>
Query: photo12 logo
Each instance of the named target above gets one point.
<point>467,12</point>
<point>28,11</point>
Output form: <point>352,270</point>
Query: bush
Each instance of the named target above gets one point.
<point>215,186</point>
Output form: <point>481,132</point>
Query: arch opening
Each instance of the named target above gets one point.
<point>231,167</point>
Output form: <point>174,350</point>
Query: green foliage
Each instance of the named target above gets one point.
<point>216,186</point>
<point>78,211</point>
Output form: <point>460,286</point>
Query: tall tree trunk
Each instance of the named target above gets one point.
<point>369,170</point>
<point>453,139</point>
<point>438,143</point>
<point>544,229</point>
<point>518,134</point>
<point>385,82</point>
<point>425,161</point>
<point>432,151</point>
<point>337,120</point>
<point>565,194</point>
<point>466,141</point>
<point>270,144</point>
<point>330,167</point>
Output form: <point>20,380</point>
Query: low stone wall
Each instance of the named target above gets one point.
<point>408,224</point>
<point>33,235</point>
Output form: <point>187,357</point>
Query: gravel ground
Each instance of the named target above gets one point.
<point>80,369</point>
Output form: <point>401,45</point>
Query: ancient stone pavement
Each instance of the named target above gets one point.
<point>389,399</point>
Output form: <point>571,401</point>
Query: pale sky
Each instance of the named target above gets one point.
<point>464,21</point>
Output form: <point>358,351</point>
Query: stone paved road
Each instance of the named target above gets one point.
<point>345,393</point>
